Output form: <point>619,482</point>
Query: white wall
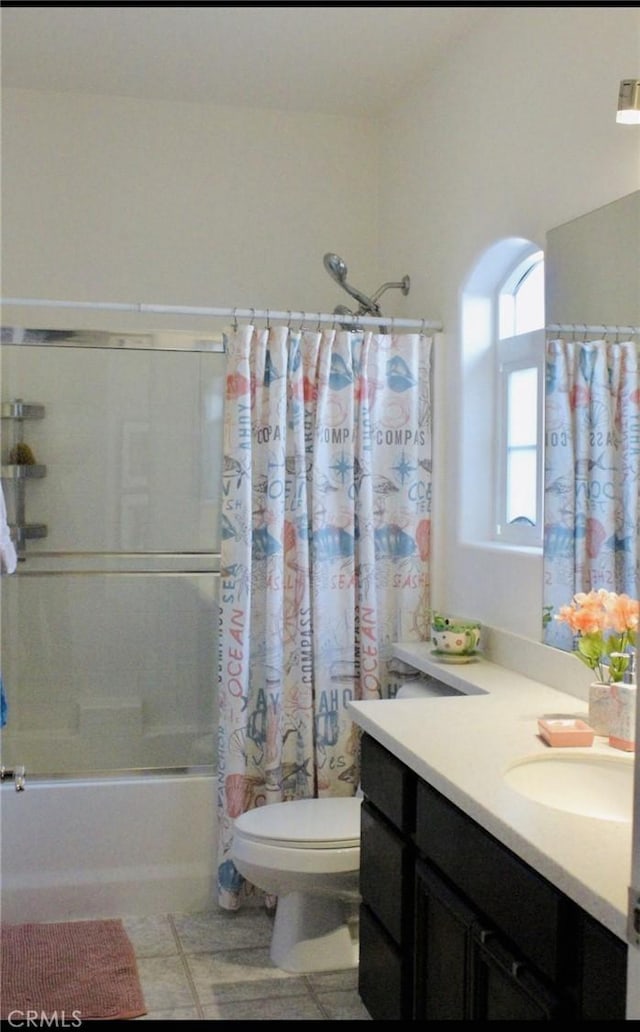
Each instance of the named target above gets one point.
<point>513,134</point>
<point>112,198</point>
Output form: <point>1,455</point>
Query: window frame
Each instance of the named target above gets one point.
<point>517,352</point>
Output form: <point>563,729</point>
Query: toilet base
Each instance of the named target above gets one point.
<point>315,933</point>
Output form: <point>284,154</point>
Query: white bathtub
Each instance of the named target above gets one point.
<point>107,847</point>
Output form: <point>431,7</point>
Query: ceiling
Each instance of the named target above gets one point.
<point>350,60</point>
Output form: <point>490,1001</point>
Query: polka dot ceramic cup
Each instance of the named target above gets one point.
<point>456,638</point>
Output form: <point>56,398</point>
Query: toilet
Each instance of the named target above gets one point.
<point>307,853</point>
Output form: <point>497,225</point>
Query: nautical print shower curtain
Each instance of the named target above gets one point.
<point>592,473</point>
<point>326,516</point>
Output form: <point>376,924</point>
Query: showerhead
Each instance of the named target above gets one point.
<point>337,269</point>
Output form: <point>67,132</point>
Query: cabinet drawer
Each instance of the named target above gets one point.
<point>522,904</point>
<point>388,784</point>
<point>380,981</point>
<point>384,862</point>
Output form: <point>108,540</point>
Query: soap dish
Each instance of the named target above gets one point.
<point>565,731</point>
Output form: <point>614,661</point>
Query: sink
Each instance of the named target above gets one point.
<point>593,785</point>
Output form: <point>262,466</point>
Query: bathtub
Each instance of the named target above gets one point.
<point>107,846</point>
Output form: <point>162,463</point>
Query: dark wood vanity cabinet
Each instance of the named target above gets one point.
<point>454,926</point>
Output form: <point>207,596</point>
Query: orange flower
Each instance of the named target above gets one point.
<point>606,625</point>
<point>622,612</point>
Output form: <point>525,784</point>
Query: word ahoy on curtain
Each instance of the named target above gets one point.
<point>326,516</point>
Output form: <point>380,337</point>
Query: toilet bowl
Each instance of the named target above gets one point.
<point>307,853</point>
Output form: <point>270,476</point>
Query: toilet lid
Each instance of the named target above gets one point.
<point>305,823</point>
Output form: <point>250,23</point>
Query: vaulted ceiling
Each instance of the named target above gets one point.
<point>339,59</point>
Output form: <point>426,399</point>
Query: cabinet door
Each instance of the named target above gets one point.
<point>504,988</point>
<point>443,976</point>
<point>464,971</point>
<point>603,984</point>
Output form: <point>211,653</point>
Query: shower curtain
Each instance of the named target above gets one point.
<point>326,515</point>
<point>592,473</point>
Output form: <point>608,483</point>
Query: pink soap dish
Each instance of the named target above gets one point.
<point>563,731</point>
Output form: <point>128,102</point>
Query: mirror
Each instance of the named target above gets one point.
<point>592,279</point>
<point>592,267</point>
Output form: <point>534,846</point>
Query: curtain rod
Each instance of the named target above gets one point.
<point>582,328</point>
<point>232,313</point>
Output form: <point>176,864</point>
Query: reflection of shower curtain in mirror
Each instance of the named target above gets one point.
<point>326,516</point>
<point>592,473</point>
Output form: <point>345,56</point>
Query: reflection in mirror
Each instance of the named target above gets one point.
<point>592,410</point>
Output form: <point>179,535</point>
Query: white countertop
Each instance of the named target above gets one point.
<point>463,744</point>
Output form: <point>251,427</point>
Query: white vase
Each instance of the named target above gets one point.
<point>600,707</point>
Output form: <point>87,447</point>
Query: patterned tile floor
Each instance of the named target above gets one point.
<point>215,965</point>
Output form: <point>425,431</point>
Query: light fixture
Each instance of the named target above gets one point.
<point>629,102</point>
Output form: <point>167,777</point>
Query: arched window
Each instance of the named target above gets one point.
<point>519,394</point>
<point>502,338</point>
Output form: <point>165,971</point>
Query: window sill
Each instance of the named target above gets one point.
<point>502,547</point>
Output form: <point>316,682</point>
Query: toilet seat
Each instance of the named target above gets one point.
<point>332,823</point>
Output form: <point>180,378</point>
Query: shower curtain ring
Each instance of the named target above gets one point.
<point>268,321</point>
<point>424,321</point>
<point>235,321</point>
<point>289,319</point>
<point>319,322</point>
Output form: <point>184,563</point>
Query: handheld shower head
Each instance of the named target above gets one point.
<point>335,267</point>
<point>338,272</point>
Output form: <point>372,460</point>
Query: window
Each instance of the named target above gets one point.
<point>520,392</point>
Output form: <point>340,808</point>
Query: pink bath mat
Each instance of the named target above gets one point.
<point>72,970</point>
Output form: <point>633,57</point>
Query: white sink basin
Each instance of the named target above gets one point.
<point>590,785</point>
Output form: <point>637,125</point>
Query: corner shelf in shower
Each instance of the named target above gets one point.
<point>23,472</point>
<point>18,473</point>
<point>19,409</point>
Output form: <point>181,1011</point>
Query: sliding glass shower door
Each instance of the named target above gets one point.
<point>111,452</point>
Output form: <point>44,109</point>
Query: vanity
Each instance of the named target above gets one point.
<point>479,902</point>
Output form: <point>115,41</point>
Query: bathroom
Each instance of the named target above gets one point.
<point>176,199</point>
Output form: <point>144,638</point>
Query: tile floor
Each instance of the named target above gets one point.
<point>215,965</point>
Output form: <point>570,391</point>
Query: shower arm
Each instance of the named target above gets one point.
<point>404,285</point>
<point>370,304</point>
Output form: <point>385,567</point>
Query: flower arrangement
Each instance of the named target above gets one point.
<point>607,625</point>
